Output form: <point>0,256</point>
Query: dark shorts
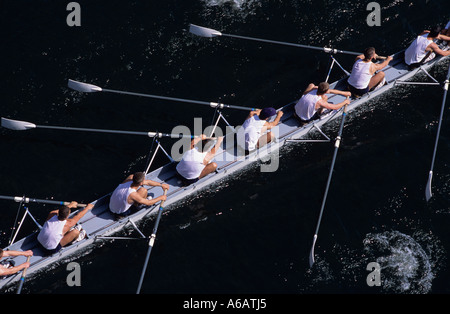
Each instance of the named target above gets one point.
<point>358,92</point>
<point>130,211</point>
<point>185,181</point>
<point>50,252</point>
<point>316,116</point>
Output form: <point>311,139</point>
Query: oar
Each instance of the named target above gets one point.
<point>22,279</point>
<point>428,193</point>
<point>23,125</point>
<point>336,147</point>
<point>89,88</point>
<point>150,244</point>
<point>19,199</point>
<point>208,32</point>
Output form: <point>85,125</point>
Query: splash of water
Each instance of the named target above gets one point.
<point>407,266</point>
<point>235,3</point>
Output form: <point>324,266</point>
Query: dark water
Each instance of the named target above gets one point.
<point>252,233</point>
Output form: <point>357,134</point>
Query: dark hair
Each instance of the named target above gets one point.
<point>323,88</point>
<point>1,253</point>
<point>267,113</point>
<point>434,32</point>
<point>138,177</point>
<point>369,52</point>
<point>63,213</point>
<point>204,145</point>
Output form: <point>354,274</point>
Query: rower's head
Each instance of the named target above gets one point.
<point>267,113</point>
<point>369,53</point>
<point>323,88</point>
<point>204,145</point>
<point>434,32</point>
<point>138,178</point>
<point>63,213</point>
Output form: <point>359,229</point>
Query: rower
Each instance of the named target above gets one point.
<point>364,77</point>
<point>8,267</point>
<point>252,135</point>
<point>131,192</point>
<point>424,49</point>
<point>59,230</point>
<point>314,100</point>
<point>196,162</point>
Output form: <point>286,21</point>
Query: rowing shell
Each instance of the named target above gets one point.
<point>99,222</point>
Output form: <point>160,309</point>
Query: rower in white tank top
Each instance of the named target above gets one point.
<point>306,106</point>
<point>417,50</point>
<point>361,74</point>
<point>251,131</point>
<point>118,203</point>
<point>423,44</point>
<point>192,164</point>
<point>52,233</point>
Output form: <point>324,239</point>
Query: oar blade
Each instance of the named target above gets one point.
<point>203,31</point>
<point>311,253</point>
<point>428,193</point>
<point>83,87</point>
<point>17,125</point>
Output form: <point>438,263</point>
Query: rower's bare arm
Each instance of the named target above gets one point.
<point>135,197</point>
<point>210,155</point>
<point>362,57</point>
<point>443,37</point>
<point>253,112</point>
<point>438,50</point>
<point>382,65</point>
<point>275,122</point>
<point>73,221</point>
<point>8,253</point>
<point>154,183</point>
<point>216,147</point>
<point>339,92</point>
<point>331,106</point>
<point>197,139</point>
<point>128,179</point>
<point>13,270</point>
<point>153,200</point>
<point>310,88</point>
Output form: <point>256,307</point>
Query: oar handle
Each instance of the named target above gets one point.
<point>24,273</point>
<point>78,205</point>
<point>162,202</point>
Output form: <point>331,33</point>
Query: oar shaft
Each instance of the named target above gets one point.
<point>19,199</point>
<point>198,102</point>
<point>22,278</point>
<point>94,130</point>
<point>428,193</point>
<point>336,148</point>
<point>149,134</point>
<point>330,175</point>
<point>325,49</point>
<point>150,244</point>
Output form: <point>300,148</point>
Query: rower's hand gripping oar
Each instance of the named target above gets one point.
<point>150,244</point>
<point>89,88</point>
<point>22,278</point>
<point>428,193</point>
<point>336,147</point>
